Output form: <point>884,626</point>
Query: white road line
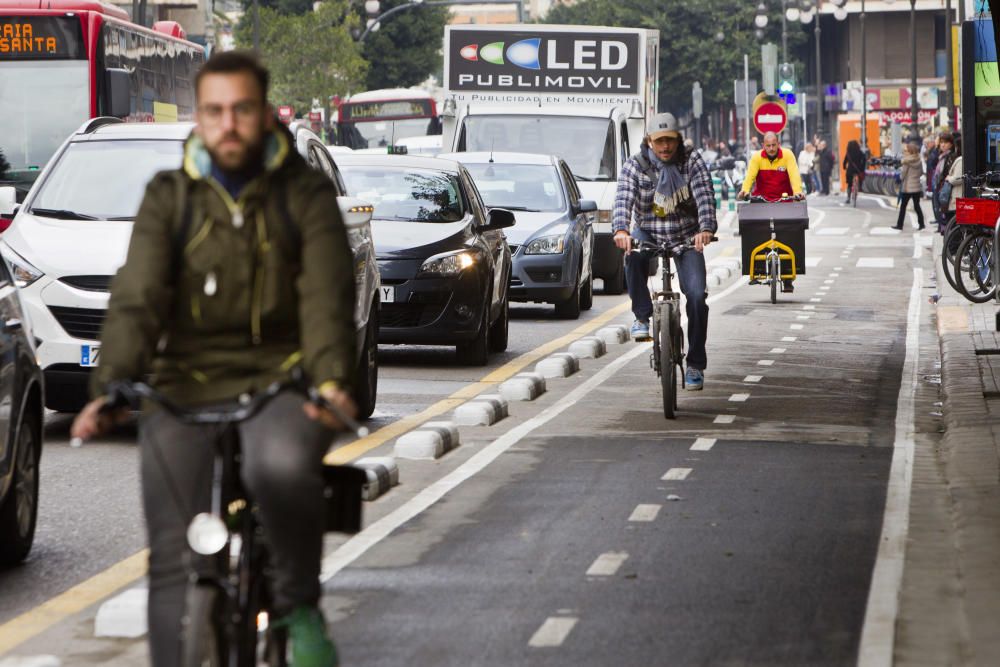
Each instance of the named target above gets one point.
<point>753,378</point>
<point>781,350</point>
<point>838,268</point>
<point>808,307</point>
<point>828,282</point>
<point>816,299</point>
<point>766,362</point>
<point>724,419</point>
<point>703,444</point>
<point>353,549</point>
<point>796,327</point>
<point>645,512</point>
<point>849,248</point>
<point>553,632</point>
<point>875,263</point>
<point>676,474</point>
<point>878,632</point>
<point>802,317</point>
<point>833,231</point>
<point>739,398</point>
<point>834,274</point>
<point>607,564</point>
<point>877,199</point>
<point>813,262</point>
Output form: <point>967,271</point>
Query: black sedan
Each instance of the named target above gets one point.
<point>444,262</point>
<point>21,401</point>
<point>553,242</point>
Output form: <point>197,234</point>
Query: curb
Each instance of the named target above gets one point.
<point>523,387</point>
<point>485,410</point>
<point>383,474</point>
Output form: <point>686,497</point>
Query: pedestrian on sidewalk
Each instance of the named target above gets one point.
<point>667,192</point>
<point>946,157</point>
<point>826,163</point>
<point>909,187</point>
<point>807,156</point>
<point>956,179</point>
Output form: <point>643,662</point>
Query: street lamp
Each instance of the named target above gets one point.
<point>809,10</point>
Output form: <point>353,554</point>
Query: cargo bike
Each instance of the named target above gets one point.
<point>772,236</point>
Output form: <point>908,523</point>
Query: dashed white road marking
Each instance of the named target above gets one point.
<point>781,350</point>
<point>753,378</point>
<point>875,263</point>
<point>884,231</point>
<point>838,268</point>
<point>857,236</point>
<point>703,444</point>
<point>808,307</point>
<point>802,317</point>
<point>676,474</point>
<point>739,398</point>
<point>796,327</point>
<point>833,231</point>
<point>850,247</point>
<point>724,419</point>
<point>816,299</point>
<point>828,282</point>
<point>813,262</point>
<point>645,512</point>
<point>553,632</point>
<point>835,274</point>
<point>607,564</point>
<point>766,362</point>
<point>789,339</point>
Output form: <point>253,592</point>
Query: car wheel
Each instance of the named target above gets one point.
<point>500,331</point>
<point>476,352</point>
<point>570,308</point>
<point>587,293</point>
<point>365,394</point>
<point>19,512</point>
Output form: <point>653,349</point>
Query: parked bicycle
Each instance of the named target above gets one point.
<point>228,601</point>
<point>668,337</point>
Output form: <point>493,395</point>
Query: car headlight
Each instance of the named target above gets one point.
<point>448,264</point>
<point>21,269</point>
<point>546,245</point>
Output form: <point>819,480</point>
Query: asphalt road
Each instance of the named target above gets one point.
<point>585,529</point>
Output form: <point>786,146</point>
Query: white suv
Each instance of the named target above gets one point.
<point>71,235</point>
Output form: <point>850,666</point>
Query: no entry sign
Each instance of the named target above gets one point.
<point>770,117</point>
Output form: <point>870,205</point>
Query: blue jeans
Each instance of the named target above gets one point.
<point>690,267</point>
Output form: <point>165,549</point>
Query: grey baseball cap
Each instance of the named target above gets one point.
<point>662,125</point>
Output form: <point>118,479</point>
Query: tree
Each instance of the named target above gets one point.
<point>4,165</point>
<point>690,48</point>
<point>407,47</point>
<point>282,6</point>
<point>310,55</point>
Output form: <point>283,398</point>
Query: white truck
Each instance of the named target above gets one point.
<point>583,93</point>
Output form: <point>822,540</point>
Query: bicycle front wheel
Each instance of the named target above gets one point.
<point>668,362</point>
<point>974,268</point>
<point>774,270</point>
<point>954,234</point>
<point>203,633</point>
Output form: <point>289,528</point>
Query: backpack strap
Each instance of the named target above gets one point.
<point>181,231</point>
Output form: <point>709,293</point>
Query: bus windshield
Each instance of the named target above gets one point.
<point>41,104</point>
<point>378,123</point>
<point>587,144</point>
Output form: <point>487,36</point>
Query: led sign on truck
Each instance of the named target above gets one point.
<point>40,37</point>
<point>570,62</point>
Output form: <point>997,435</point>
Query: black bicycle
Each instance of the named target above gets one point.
<point>668,337</point>
<point>227,615</point>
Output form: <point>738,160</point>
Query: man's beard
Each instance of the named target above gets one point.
<point>236,160</point>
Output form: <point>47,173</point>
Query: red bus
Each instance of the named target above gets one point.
<point>64,61</point>
<point>378,118</point>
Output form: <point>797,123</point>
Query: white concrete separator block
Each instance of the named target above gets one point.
<point>499,404</point>
<point>383,474</point>
<point>448,431</point>
<point>523,387</point>
<point>713,280</point>
<point>31,661</point>
<point>486,410</point>
<point>573,359</point>
<point>615,335</point>
<point>124,615</point>
<point>724,272</point>
<point>588,347</point>
<point>557,366</point>
<point>419,445</point>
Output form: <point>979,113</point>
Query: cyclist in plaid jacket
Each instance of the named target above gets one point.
<point>665,194</point>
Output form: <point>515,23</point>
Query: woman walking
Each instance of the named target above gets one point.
<point>854,165</point>
<point>955,178</point>
<point>909,187</point>
<point>806,158</point>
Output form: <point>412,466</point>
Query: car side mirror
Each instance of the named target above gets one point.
<point>117,92</point>
<point>586,206</point>
<point>498,218</point>
<point>355,212</point>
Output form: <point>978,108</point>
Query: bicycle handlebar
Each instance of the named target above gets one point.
<point>758,199</point>
<point>130,394</point>
<point>661,248</point>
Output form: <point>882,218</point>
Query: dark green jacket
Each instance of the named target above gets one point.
<point>251,298</point>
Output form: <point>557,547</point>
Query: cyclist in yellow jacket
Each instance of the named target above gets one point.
<point>772,172</point>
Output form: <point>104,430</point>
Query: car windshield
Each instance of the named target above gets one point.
<point>587,144</point>
<point>526,187</point>
<point>41,103</point>
<point>398,193</point>
<point>105,179</point>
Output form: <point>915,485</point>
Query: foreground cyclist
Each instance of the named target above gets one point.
<point>668,192</point>
<point>238,269</point>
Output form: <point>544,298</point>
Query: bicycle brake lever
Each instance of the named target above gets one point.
<point>352,425</point>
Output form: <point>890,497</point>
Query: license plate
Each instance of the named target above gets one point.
<point>388,294</point>
<point>90,355</point>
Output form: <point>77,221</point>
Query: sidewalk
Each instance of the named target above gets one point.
<point>949,610</point>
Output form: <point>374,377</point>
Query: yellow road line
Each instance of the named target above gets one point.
<point>55,610</point>
<point>41,618</point>
<point>364,445</point>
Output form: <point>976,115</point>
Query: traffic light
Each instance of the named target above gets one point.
<point>786,78</point>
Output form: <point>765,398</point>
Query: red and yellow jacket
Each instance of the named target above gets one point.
<point>773,178</point>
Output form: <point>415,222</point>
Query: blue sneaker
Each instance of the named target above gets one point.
<point>694,380</point>
<point>640,331</point>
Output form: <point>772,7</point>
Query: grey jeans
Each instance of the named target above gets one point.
<point>282,470</point>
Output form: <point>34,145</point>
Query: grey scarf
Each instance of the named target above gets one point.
<point>672,189</point>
